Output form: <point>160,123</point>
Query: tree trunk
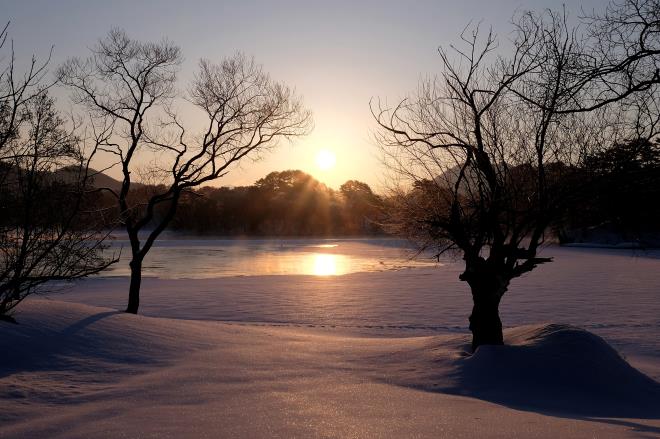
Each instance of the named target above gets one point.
<point>134,288</point>
<point>488,286</point>
<point>485,322</point>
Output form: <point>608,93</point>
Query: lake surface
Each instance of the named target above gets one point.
<point>212,258</point>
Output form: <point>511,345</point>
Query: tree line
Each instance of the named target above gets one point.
<point>618,197</point>
<point>284,203</point>
<point>287,203</point>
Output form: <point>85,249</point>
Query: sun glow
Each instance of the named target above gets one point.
<point>325,265</point>
<point>325,160</point>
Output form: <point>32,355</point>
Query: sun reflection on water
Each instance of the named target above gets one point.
<point>326,265</point>
<point>206,260</point>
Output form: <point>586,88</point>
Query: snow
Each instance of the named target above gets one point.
<point>371,354</point>
<point>613,293</point>
<point>86,372</point>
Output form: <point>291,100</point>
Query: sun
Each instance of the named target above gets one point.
<point>325,159</point>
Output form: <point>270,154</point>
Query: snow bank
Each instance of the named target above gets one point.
<point>558,368</point>
<point>76,371</point>
<point>547,368</point>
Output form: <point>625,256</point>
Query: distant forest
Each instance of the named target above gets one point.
<point>287,203</point>
<point>614,197</point>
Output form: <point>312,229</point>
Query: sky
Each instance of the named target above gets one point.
<point>336,54</point>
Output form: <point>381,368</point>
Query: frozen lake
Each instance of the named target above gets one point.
<point>213,258</point>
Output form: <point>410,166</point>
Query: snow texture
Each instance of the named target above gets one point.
<point>76,371</point>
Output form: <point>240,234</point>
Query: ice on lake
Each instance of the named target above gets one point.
<point>212,258</point>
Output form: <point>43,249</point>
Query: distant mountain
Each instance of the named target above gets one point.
<point>98,180</point>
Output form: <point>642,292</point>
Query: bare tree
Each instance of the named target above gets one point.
<point>44,185</point>
<point>129,87</point>
<point>485,153</point>
<point>624,54</point>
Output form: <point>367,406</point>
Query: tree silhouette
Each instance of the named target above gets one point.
<point>484,156</point>
<point>44,190</point>
<point>129,88</point>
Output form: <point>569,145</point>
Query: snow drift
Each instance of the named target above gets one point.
<point>558,368</point>
<point>77,371</point>
<point>547,368</point>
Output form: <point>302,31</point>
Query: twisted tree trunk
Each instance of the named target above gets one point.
<point>488,286</point>
<point>485,322</point>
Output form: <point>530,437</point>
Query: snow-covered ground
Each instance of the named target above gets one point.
<point>85,372</point>
<point>367,354</point>
<point>614,293</point>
